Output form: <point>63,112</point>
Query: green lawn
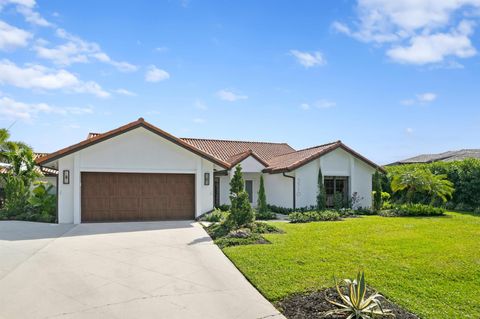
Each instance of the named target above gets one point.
<point>430,266</point>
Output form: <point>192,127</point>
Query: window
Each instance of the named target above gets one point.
<point>333,185</point>
<point>249,190</point>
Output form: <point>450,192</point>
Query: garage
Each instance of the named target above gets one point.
<point>109,196</point>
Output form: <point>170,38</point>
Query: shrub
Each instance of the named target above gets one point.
<point>465,176</point>
<point>262,208</point>
<point>377,191</point>
<point>265,216</point>
<point>311,216</point>
<point>464,207</point>
<point>215,216</point>
<point>321,194</point>
<point>224,207</point>
<point>414,210</point>
<point>476,211</point>
<point>279,209</point>
<point>241,212</point>
<point>43,203</point>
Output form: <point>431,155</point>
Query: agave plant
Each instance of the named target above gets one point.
<point>354,304</point>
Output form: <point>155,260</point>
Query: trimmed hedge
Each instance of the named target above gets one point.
<point>465,176</point>
<point>313,216</point>
<point>413,210</point>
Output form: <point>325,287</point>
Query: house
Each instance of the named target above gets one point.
<point>449,156</point>
<point>139,172</point>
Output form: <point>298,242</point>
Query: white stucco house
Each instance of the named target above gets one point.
<point>139,172</point>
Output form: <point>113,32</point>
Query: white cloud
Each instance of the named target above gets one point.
<point>319,104</point>
<point>26,8</point>
<point>305,106</point>
<point>161,49</point>
<point>77,50</point>
<point>125,92</point>
<point>434,48</point>
<point>409,130</point>
<point>308,59</point>
<point>12,37</point>
<point>427,97</point>
<point>324,104</point>
<point>155,74</point>
<point>416,31</point>
<point>35,76</point>
<point>199,104</point>
<point>422,98</point>
<point>199,120</point>
<point>230,96</point>
<point>12,109</point>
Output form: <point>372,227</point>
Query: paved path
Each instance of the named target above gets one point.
<point>120,270</point>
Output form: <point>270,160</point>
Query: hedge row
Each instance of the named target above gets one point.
<point>465,175</point>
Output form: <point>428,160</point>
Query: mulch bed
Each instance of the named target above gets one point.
<point>313,306</point>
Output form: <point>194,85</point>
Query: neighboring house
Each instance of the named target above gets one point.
<point>449,156</point>
<point>139,172</point>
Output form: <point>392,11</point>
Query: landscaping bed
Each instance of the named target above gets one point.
<point>314,306</point>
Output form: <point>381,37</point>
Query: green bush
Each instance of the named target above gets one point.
<point>313,216</point>
<point>414,210</point>
<point>463,207</point>
<point>465,176</point>
<point>265,215</point>
<point>215,216</point>
<point>241,213</point>
<point>43,203</point>
<point>224,207</point>
<point>476,211</point>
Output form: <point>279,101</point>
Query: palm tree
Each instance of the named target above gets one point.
<point>421,181</point>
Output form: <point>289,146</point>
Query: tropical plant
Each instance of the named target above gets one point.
<point>43,202</point>
<point>321,194</point>
<point>241,212</point>
<point>424,182</point>
<point>354,304</point>
<point>377,191</point>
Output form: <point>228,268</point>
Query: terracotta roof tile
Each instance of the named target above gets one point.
<point>295,159</point>
<point>229,151</point>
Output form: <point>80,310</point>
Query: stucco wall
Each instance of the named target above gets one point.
<point>136,151</point>
<point>278,189</point>
<point>335,163</point>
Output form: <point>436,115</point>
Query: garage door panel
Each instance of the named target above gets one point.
<point>137,196</point>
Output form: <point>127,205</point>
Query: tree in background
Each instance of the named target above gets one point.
<point>377,191</point>
<point>241,212</point>
<point>321,194</point>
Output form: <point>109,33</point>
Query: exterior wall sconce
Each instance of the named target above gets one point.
<point>66,176</point>
<point>206,179</point>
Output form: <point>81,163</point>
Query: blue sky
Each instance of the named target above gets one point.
<point>391,79</point>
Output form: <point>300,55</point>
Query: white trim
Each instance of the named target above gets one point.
<point>134,170</point>
<point>77,187</point>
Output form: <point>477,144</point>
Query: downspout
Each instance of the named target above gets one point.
<point>293,179</point>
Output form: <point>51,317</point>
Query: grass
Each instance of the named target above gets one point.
<point>430,266</point>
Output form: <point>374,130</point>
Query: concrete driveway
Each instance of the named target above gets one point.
<point>120,270</point>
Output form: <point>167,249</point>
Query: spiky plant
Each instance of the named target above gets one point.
<point>354,304</point>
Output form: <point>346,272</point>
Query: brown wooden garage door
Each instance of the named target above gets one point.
<point>134,196</point>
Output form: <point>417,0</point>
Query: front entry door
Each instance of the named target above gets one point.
<point>216,192</point>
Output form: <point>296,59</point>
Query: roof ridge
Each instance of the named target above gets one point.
<point>321,145</point>
<point>238,141</point>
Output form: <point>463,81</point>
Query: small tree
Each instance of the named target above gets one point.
<point>262,198</point>
<point>377,191</point>
<point>241,212</point>
<point>321,194</point>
